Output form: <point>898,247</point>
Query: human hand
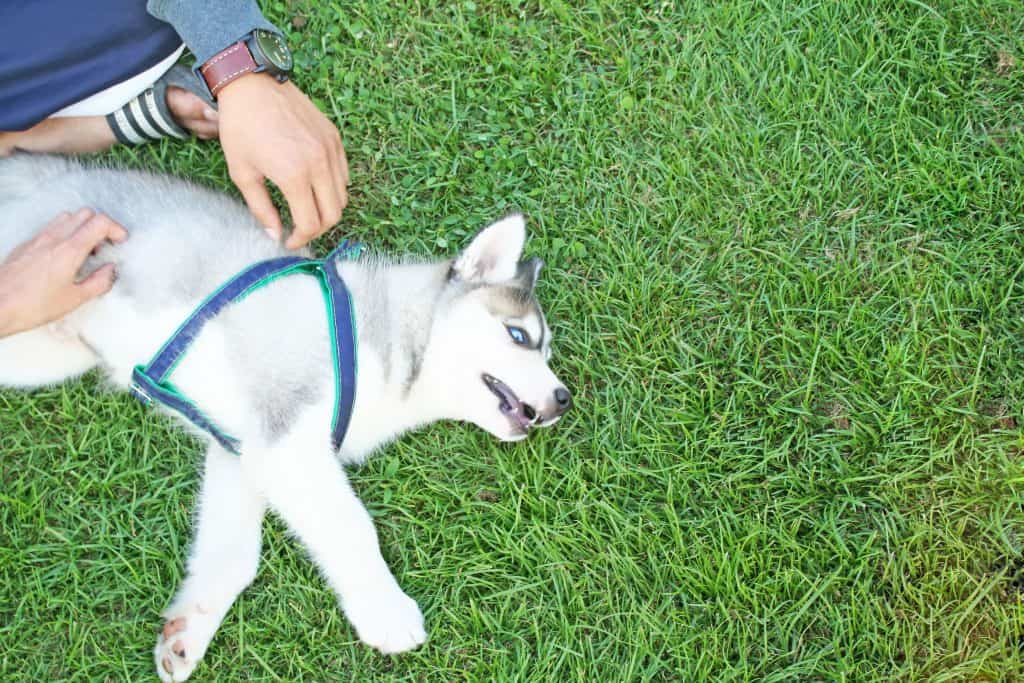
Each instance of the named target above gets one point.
<point>37,279</point>
<point>272,131</point>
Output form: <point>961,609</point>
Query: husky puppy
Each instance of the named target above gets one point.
<point>460,339</point>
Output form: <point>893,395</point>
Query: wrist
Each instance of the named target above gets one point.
<point>247,83</point>
<point>261,51</point>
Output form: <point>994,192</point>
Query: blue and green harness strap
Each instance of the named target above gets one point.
<point>151,383</point>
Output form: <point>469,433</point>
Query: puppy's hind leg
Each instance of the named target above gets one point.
<point>45,355</point>
<point>306,485</point>
<point>223,561</point>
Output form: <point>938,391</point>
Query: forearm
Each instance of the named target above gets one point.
<point>208,27</point>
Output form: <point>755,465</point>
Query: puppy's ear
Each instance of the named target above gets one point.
<point>493,255</point>
<point>527,272</point>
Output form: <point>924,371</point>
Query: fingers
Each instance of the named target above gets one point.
<point>90,235</point>
<point>329,176</point>
<point>85,229</point>
<point>305,214</point>
<point>99,228</point>
<point>78,234</point>
<point>93,232</point>
<point>97,284</point>
<point>258,198</point>
<point>328,193</point>
<point>343,158</point>
<point>339,165</point>
<point>65,224</point>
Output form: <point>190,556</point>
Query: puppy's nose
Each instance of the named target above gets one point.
<point>563,399</point>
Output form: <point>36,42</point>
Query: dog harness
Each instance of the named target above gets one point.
<point>151,382</point>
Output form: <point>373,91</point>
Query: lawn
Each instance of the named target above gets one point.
<point>785,278</point>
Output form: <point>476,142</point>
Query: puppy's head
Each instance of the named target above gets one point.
<point>493,339</point>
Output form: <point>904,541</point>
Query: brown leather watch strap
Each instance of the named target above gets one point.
<point>226,66</point>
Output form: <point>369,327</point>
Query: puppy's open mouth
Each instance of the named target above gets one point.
<point>520,415</point>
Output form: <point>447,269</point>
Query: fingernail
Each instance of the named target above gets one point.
<point>210,114</point>
<point>271,234</point>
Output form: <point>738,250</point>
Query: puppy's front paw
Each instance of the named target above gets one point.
<point>182,643</point>
<point>175,660</point>
<point>388,620</point>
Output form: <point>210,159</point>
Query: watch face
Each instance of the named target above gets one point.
<point>274,51</point>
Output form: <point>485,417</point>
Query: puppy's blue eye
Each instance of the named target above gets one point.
<point>518,335</point>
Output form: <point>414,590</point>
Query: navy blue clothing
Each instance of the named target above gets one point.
<point>54,53</point>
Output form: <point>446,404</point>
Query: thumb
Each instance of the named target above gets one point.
<point>258,198</point>
<point>98,283</point>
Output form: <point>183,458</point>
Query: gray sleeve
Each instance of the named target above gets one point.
<point>208,27</point>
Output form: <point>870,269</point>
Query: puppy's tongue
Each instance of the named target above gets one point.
<point>510,404</point>
<point>515,411</point>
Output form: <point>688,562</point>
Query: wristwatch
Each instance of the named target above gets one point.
<point>260,51</point>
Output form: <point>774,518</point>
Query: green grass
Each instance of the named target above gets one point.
<point>785,277</point>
